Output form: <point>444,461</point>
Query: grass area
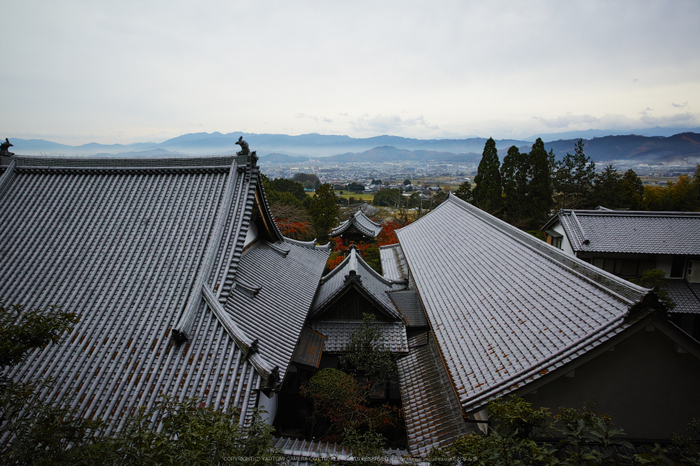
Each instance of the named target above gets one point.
<point>347,194</point>
<point>364,197</point>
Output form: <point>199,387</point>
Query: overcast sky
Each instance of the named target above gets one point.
<point>118,72</point>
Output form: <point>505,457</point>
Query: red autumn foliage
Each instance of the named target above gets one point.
<point>335,261</point>
<point>388,234</point>
<point>292,229</point>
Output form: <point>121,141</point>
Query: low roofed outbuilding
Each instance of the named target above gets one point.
<point>636,232</point>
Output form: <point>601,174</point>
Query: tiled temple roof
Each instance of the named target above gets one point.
<point>432,413</point>
<point>354,271</point>
<point>685,295</point>
<point>640,232</point>
<point>339,335</point>
<point>139,248</point>
<point>393,262</point>
<point>505,307</point>
<point>361,222</point>
<point>300,452</point>
<point>286,276</point>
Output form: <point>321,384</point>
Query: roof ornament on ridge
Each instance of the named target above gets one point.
<point>352,265</point>
<point>245,150</point>
<point>4,149</point>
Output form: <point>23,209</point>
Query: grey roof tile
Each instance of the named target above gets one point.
<point>287,283</point>
<point>308,452</point>
<point>123,243</point>
<point>310,348</point>
<point>339,335</point>
<point>504,305</point>
<point>685,295</point>
<point>393,262</point>
<point>361,222</point>
<point>638,232</point>
<point>354,271</point>
<point>408,303</point>
<point>431,410</point>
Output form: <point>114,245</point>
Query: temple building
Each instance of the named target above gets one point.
<point>628,243</point>
<point>358,228</point>
<point>186,287</point>
<point>182,281</point>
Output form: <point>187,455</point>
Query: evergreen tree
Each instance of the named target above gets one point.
<point>324,211</point>
<point>540,186</point>
<point>514,178</point>
<point>464,192</point>
<point>632,190</point>
<point>573,179</point>
<point>607,188</point>
<point>487,193</point>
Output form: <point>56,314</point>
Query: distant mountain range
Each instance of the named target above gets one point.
<point>280,148</point>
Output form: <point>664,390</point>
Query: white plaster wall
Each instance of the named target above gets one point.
<point>565,244</point>
<point>269,405</point>
<point>252,234</point>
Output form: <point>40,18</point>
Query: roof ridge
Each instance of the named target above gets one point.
<point>308,244</point>
<point>181,330</point>
<point>631,213</point>
<point>135,162</point>
<point>361,213</point>
<point>357,220</point>
<point>7,176</point>
<point>365,266</point>
<point>246,344</point>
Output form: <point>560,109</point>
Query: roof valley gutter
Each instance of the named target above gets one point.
<point>183,327</point>
<point>549,361</point>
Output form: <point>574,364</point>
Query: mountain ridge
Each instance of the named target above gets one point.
<point>682,147</point>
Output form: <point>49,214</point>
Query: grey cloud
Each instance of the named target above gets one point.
<point>684,118</point>
<point>567,120</point>
<point>389,124</point>
<point>683,105</point>
<point>314,118</point>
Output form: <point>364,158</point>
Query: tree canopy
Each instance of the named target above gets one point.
<point>514,178</point>
<point>540,186</point>
<point>573,179</point>
<point>388,198</point>
<point>308,180</point>
<point>607,188</point>
<point>324,211</point>
<point>487,193</point>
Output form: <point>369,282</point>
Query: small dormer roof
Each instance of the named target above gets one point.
<point>355,272</point>
<point>361,222</point>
